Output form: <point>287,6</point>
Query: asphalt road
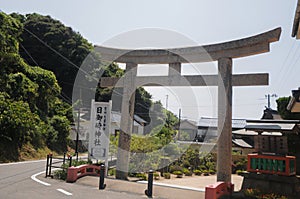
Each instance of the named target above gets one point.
<point>26,180</point>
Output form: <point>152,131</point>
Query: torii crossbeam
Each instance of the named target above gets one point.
<point>223,53</point>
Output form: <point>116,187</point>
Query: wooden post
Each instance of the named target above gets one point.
<point>224,158</point>
<point>127,113</point>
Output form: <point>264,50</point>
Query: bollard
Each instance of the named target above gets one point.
<point>50,165</point>
<point>149,191</point>
<point>47,165</point>
<point>70,161</point>
<point>64,160</point>
<point>102,175</point>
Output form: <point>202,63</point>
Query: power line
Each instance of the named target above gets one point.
<point>63,97</point>
<point>59,54</point>
<point>294,59</point>
<point>285,62</point>
<point>62,94</point>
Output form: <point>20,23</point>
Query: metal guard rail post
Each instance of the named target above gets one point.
<point>51,164</point>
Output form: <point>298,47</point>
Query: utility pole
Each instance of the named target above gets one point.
<point>78,126</point>
<point>269,100</point>
<point>179,115</point>
<point>167,98</point>
<point>167,115</point>
<point>77,134</point>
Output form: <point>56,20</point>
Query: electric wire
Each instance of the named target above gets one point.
<point>291,64</point>
<point>67,99</point>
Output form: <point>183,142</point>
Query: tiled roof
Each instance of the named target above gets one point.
<point>139,119</point>
<point>274,127</point>
<point>241,143</point>
<point>213,123</point>
<point>243,132</point>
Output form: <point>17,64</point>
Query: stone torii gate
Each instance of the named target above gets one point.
<point>223,53</point>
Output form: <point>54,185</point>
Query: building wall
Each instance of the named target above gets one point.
<point>137,129</point>
<point>189,129</point>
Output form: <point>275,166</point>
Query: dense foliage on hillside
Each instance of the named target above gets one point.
<point>31,112</point>
<point>53,46</point>
<point>39,61</point>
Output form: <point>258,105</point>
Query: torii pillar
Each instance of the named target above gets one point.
<point>223,53</point>
<point>224,158</point>
<point>127,115</point>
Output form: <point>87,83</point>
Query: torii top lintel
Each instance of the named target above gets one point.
<point>234,49</point>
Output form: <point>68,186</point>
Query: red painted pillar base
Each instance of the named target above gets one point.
<point>218,189</point>
<point>72,174</point>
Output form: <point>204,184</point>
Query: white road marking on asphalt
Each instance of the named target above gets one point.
<point>33,177</point>
<point>25,162</point>
<point>64,192</point>
<point>173,186</point>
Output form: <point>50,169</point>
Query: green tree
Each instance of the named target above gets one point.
<point>10,31</point>
<point>143,100</point>
<point>18,126</point>
<point>53,46</point>
<point>293,139</point>
<point>143,103</point>
<point>30,108</point>
<point>61,125</point>
<point>282,104</point>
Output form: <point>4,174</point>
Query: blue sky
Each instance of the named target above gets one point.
<point>202,22</point>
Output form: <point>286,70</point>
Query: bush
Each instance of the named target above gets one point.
<point>178,174</point>
<point>186,164</point>
<point>256,193</point>
<point>167,175</point>
<point>175,168</point>
<point>141,176</point>
<point>251,192</point>
<point>184,170</point>
<point>188,173</point>
<point>60,174</point>
<point>272,196</point>
<point>202,167</point>
<point>112,172</point>
<point>212,172</point>
<point>156,176</point>
<point>197,172</point>
<point>241,164</point>
<point>205,173</point>
<point>211,166</point>
<point>239,172</point>
<point>80,162</point>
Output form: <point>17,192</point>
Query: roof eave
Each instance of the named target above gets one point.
<point>296,20</point>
